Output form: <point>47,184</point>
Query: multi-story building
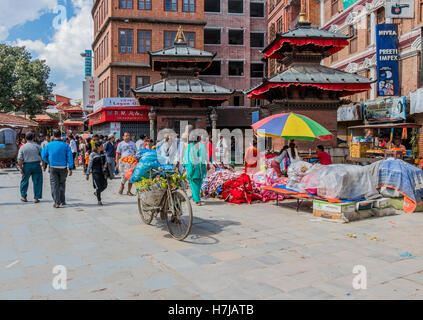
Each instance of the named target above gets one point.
<point>236,31</point>
<point>125,30</point>
<point>359,19</point>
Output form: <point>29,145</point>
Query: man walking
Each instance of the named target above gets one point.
<point>59,156</point>
<point>45,141</point>
<point>109,150</point>
<point>73,146</point>
<point>29,159</point>
<point>125,148</point>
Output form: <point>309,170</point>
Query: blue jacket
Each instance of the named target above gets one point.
<point>58,154</point>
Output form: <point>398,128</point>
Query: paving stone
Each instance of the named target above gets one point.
<point>161,282</point>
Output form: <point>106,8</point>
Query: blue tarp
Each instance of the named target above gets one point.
<point>402,176</point>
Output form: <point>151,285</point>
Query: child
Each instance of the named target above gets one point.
<point>97,165</point>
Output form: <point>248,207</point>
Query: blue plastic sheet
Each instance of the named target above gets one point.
<point>148,160</point>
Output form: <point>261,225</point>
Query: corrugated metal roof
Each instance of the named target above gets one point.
<point>307,73</point>
<point>182,86</point>
<point>309,32</point>
<point>182,51</point>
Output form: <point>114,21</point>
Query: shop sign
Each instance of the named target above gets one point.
<point>348,3</point>
<point>416,101</point>
<point>350,113</point>
<point>255,116</point>
<point>402,9</point>
<point>116,102</point>
<point>385,110</point>
<point>387,57</point>
<point>115,129</point>
<point>119,116</point>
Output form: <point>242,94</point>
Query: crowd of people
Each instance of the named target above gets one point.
<point>100,157</point>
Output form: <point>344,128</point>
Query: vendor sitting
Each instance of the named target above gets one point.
<point>398,145</point>
<point>324,157</point>
<point>384,143</point>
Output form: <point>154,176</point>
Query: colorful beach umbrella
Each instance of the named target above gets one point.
<point>291,126</point>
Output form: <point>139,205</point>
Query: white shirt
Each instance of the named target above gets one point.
<point>126,148</point>
<point>140,144</point>
<point>72,145</point>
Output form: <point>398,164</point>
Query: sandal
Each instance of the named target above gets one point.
<point>24,199</point>
<point>129,193</point>
<point>36,200</point>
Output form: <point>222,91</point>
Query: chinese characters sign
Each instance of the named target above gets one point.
<point>90,88</point>
<point>119,115</point>
<point>88,63</point>
<point>387,59</point>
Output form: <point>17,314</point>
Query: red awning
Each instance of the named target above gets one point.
<point>336,44</point>
<point>349,88</point>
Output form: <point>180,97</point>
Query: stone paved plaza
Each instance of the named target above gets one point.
<point>255,251</point>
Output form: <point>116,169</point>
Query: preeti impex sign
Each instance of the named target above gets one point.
<point>387,57</point>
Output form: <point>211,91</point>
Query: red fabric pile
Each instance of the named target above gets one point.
<point>240,190</point>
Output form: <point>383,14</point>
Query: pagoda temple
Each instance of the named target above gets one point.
<point>305,86</point>
<point>180,95</point>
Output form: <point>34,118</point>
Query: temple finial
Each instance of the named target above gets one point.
<point>180,37</point>
<point>302,15</point>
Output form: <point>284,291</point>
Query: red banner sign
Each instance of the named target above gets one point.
<point>116,115</point>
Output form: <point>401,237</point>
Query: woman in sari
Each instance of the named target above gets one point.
<point>195,161</point>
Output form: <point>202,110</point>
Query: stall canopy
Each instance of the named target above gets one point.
<point>387,125</point>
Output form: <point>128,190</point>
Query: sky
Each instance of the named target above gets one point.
<point>56,31</point>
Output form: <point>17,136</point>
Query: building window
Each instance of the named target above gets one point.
<point>144,4</point>
<point>380,15</point>
<point>142,81</point>
<point>236,37</point>
<point>144,41</point>
<point>257,39</point>
<point>369,30</point>
<point>236,68</point>
<point>125,41</point>
<point>272,31</point>
<point>237,100</point>
<point>188,6</point>
<point>257,9</point>
<point>235,6</point>
<point>190,37</point>
<point>169,38</point>
<point>125,4</point>
<point>353,40</point>
<point>257,70</point>
<point>213,70</point>
<point>334,7</point>
<point>211,36</point>
<point>211,5</point>
<point>171,5</point>
<point>124,86</point>
<point>279,25</point>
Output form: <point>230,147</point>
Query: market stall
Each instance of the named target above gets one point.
<point>373,142</point>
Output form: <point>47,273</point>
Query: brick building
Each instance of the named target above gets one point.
<point>236,31</point>
<point>360,20</point>
<point>125,30</point>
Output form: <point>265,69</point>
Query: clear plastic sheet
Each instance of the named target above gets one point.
<point>296,171</point>
<point>340,181</point>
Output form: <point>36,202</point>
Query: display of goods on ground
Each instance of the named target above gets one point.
<point>129,159</point>
<point>359,149</point>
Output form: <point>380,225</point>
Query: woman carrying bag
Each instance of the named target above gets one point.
<point>195,161</point>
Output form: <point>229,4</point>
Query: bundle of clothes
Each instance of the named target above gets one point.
<point>237,187</point>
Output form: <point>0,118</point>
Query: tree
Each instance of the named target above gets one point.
<point>23,82</point>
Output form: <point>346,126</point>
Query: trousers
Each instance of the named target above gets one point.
<point>32,169</point>
<point>58,184</point>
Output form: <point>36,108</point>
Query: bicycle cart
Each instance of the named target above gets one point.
<point>171,202</point>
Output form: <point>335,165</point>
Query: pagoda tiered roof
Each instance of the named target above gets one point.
<point>305,35</point>
<point>313,75</point>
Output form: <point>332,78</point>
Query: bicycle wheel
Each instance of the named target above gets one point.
<point>146,215</point>
<point>179,220</point>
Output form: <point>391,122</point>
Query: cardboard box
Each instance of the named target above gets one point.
<point>382,203</point>
<point>325,206</point>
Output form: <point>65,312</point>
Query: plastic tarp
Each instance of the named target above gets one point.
<point>340,181</point>
<point>296,171</point>
<point>403,177</point>
<point>148,160</point>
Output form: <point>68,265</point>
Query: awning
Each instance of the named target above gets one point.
<point>387,125</point>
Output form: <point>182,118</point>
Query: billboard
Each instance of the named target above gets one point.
<point>387,56</point>
<point>385,110</point>
<point>88,63</point>
<point>350,113</point>
<point>403,9</point>
<point>90,92</point>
